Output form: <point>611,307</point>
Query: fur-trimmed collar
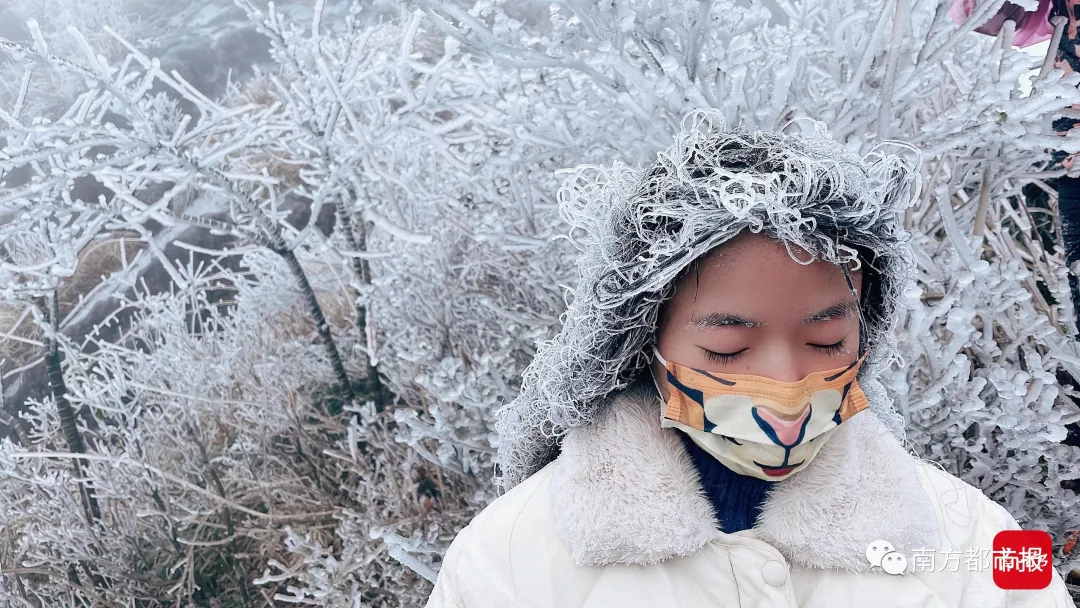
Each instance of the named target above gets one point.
<point>625,491</point>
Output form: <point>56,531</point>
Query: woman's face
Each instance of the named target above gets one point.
<point>751,309</point>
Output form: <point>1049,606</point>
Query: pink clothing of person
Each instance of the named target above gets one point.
<point>1032,27</point>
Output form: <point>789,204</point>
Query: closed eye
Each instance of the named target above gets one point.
<point>722,357</point>
<point>833,349</point>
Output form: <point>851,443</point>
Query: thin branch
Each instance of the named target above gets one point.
<point>118,460</point>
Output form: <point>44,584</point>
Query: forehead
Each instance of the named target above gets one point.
<point>754,275</point>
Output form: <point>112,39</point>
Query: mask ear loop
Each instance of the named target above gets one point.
<point>656,353</point>
<point>858,303</point>
<point>659,356</point>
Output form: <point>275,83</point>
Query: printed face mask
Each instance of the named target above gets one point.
<point>758,426</point>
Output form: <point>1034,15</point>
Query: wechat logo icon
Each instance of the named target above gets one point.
<point>882,553</point>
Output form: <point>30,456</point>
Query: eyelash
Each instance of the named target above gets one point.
<point>832,349</point>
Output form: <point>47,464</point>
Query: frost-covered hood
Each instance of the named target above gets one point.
<point>636,229</point>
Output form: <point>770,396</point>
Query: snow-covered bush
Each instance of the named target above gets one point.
<point>204,413</point>
<point>207,455</point>
<point>437,197</point>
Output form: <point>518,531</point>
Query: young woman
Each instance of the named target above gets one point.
<point>708,429</point>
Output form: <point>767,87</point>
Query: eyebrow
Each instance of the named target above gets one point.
<point>725,319</point>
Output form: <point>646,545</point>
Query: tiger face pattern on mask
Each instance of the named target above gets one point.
<point>756,425</point>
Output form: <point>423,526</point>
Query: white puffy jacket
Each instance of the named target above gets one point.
<point>619,519</point>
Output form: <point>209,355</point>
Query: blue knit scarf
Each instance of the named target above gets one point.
<point>735,498</point>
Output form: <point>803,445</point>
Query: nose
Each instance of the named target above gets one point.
<point>783,366</point>
<point>786,432</point>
